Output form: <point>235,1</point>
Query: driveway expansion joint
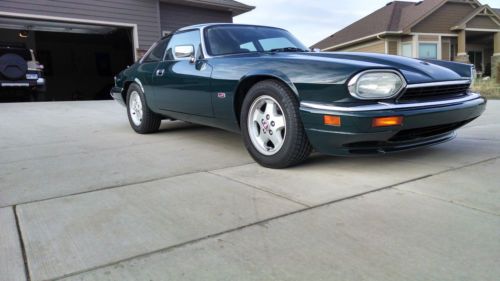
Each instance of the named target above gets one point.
<point>21,243</point>
<point>123,185</point>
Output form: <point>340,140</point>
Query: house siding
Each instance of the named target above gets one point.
<point>392,47</point>
<point>432,38</point>
<point>375,46</point>
<point>144,13</point>
<point>444,18</point>
<point>175,16</point>
<point>482,22</point>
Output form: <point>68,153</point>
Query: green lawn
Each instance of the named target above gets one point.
<point>489,89</point>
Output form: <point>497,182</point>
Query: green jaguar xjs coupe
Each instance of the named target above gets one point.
<point>288,101</point>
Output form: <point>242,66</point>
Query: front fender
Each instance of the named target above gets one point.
<point>269,73</point>
<point>463,69</point>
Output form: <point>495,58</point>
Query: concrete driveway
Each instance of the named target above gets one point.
<point>82,197</point>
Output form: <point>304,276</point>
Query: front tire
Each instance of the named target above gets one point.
<point>141,118</point>
<point>272,129</point>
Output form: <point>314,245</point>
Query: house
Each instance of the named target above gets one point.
<point>456,30</point>
<point>84,43</point>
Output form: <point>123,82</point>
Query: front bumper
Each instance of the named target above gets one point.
<point>117,94</point>
<point>424,124</point>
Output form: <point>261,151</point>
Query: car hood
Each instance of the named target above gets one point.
<point>415,71</point>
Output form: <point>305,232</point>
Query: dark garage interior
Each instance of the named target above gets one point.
<point>79,61</point>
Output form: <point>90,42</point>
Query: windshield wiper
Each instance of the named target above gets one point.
<point>288,49</point>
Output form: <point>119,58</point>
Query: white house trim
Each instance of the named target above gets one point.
<point>483,29</point>
<point>435,34</point>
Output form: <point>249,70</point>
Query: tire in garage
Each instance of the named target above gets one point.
<point>13,67</point>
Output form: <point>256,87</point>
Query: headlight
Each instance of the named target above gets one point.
<point>376,84</point>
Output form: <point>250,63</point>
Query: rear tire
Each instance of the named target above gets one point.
<point>141,118</point>
<point>271,126</point>
<point>13,67</point>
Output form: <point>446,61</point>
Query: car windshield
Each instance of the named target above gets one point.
<point>235,39</point>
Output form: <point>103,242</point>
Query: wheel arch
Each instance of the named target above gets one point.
<point>249,80</point>
<point>126,86</point>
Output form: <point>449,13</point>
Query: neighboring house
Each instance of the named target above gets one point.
<point>458,30</point>
<point>84,43</point>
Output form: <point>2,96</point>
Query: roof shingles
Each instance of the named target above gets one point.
<point>395,16</point>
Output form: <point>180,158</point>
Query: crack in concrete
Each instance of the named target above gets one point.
<point>452,201</point>
<point>260,189</point>
<point>448,201</point>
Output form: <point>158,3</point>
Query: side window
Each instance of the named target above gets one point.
<point>157,52</point>
<point>184,38</point>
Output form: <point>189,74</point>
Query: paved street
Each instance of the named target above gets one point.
<point>82,197</point>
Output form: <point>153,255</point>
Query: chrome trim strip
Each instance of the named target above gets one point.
<point>203,43</point>
<point>386,106</point>
<point>136,80</point>
<point>436,84</point>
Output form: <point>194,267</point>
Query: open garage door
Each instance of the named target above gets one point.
<point>79,59</point>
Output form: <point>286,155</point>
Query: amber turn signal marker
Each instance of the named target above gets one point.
<point>387,121</point>
<point>332,120</point>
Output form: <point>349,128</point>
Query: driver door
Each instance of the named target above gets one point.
<point>182,80</point>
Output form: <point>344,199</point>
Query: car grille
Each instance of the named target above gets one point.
<point>434,92</point>
<point>412,134</point>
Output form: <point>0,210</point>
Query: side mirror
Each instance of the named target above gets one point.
<point>184,52</point>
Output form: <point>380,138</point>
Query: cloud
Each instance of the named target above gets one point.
<point>313,20</point>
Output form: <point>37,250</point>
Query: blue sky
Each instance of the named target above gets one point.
<point>313,20</point>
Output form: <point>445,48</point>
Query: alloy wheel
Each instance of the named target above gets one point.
<point>266,125</point>
<point>135,108</point>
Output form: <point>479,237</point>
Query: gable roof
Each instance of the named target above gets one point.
<point>415,13</point>
<point>396,17</point>
<point>462,24</point>
<point>382,20</point>
<point>235,7</point>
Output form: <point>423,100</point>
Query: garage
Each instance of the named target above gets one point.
<point>78,61</point>
<point>83,44</point>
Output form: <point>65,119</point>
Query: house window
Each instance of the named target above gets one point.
<point>407,50</point>
<point>427,51</point>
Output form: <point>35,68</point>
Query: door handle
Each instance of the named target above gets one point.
<point>160,72</point>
